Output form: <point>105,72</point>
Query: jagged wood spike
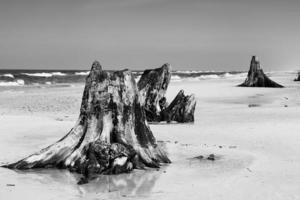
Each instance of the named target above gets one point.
<point>111,134</point>
<point>257,78</point>
<point>153,85</point>
<point>181,109</point>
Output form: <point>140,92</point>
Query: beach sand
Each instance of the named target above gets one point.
<point>254,134</point>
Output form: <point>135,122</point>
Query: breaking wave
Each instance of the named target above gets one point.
<point>198,76</point>
<point>44,74</point>
<point>176,78</point>
<point>82,73</point>
<point>7,75</point>
<point>211,76</point>
<point>58,74</point>
<point>18,82</point>
<point>70,77</point>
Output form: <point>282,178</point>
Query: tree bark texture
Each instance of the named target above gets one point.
<point>111,134</point>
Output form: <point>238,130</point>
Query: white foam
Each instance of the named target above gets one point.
<point>18,82</point>
<point>176,78</point>
<point>196,71</point>
<point>211,76</point>
<point>58,74</point>
<point>188,71</point>
<point>43,74</point>
<point>8,75</point>
<point>82,73</point>
<point>228,75</point>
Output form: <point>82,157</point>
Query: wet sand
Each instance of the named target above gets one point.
<point>256,147</point>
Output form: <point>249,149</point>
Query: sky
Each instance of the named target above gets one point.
<point>138,34</point>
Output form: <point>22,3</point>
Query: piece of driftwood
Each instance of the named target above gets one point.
<point>111,135</point>
<point>153,85</point>
<point>257,78</point>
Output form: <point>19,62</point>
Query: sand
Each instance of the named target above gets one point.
<point>253,132</point>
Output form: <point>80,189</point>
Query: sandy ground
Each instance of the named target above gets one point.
<point>257,147</point>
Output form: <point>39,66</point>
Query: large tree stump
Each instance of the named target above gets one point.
<point>257,78</point>
<point>111,135</point>
<point>153,85</point>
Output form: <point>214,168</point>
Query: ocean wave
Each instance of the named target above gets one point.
<point>176,78</point>
<point>55,77</point>
<point>226,75</point>
<point>82,73</point>
<point>7,75</point>
<point>45,74</point>
<point>187,71</point>
<point>210,76</point>
<point>58,74</point>
<point>18,82</point>
<point>196,71</point>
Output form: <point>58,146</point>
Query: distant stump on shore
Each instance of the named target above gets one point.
<point>257,78</point>
<point>298,77</point>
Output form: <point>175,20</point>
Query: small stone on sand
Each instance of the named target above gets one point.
<point>199,157</point>
<point>211,157</point>
<point>253,105</point>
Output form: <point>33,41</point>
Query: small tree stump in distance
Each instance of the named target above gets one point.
<point>257,78</point>
<point>111,135</point>
<point>298,77</point>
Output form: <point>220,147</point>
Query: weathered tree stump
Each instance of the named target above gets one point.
<point>111,135</point>
<point>298,77</point>
<point>181,109</point>
<point>153,85</point>
<point>257,78</point>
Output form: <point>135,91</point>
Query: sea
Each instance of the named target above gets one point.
<point>69,77</point>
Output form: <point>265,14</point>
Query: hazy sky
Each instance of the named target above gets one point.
<point>136,34</point>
